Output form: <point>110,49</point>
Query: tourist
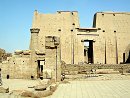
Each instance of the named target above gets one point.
<point>0,78</point>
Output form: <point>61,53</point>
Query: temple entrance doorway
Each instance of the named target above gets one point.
<point>88,51</point>
<point>40,67</point>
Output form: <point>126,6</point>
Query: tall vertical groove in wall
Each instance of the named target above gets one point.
<point>105,53</point>
<point>56,63</point>
<point>72,39</point>
<point>116,48</point>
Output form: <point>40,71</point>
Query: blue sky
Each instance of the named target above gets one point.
<point>16,16</point>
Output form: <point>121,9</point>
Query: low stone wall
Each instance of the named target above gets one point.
<point>75,69</point>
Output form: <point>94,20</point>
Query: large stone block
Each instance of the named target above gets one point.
<point>4,89</point>
<point>41,87</point>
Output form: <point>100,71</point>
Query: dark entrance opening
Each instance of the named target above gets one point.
<point>41,63</point>
<point>88,50</point>
<point>128,59</point>
<point>7,76</point>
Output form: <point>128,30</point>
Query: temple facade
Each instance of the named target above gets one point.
<point>107,41</point>
<point>57,38</point>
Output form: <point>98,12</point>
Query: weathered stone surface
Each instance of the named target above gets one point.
<point>4,55</point>
<point>17,52</point>
<point>4,89</point>
<point>41,87</point>
<point>23,93</point>
<point>16,92</point>
<point>47,74</point>
<point>40,52</point>
<point>27,94</point>
<point>43,93</point>
<point>53,87</point>
<point>26,52</point>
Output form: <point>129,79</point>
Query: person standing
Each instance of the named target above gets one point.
<point>0,78</point>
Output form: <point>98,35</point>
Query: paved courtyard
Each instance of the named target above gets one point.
<point>93,89</point>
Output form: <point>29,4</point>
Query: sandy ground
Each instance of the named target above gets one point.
<point>96,86</point>
<point>19,84</point>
